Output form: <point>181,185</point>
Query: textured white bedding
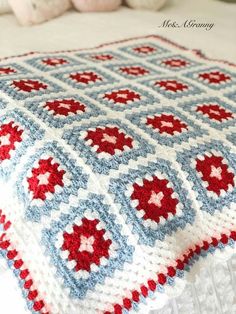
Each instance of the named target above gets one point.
<point>74,30</point>
<point>214,292</point>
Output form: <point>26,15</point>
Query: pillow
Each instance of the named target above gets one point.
<point>31,12</point>
<point>96,5</point>
<point>146,4</point>
<point>4,6</point>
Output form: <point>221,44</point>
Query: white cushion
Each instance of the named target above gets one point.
<point>31,12</point>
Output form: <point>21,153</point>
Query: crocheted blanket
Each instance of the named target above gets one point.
<point>117,172</point>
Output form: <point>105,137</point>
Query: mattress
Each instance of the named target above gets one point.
<point>116,26</point>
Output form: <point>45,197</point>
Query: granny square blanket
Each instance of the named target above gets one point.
<point>117,172</point>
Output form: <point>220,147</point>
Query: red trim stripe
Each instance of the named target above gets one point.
<point>196,52</point>
<point>12,254</point>
<point>171,272</point>
<point>39,305</point>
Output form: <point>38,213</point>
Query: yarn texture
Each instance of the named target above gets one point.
<point>96,5</point>
<point>117,172</point>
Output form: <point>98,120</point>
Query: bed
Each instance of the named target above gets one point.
<point>214,283</point>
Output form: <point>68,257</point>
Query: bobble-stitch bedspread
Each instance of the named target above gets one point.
<point>117,172</point>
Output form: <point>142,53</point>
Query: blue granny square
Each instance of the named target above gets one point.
<point>154,201</point>
<point>174,62</point>
<point>86,246</point>
<point>12,69</point>
<point>84,77</point>
<point>50,62</point>
<point>144,49</point>
<point>27,87</point>
<point>213,77</point>
<point>103,57</point>
<point>57,111</point>
<point>132,70</point>
<point>123,97</point>
<point>172,87</point>
<point>106,144</point>
<point>215,112</point>
<point>48,179</point>
<point>17,133</point>
<point>211,168</point>
<point>166,125</point>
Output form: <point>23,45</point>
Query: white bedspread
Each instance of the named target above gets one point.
<point>74,30</point>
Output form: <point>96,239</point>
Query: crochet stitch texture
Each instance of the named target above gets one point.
<point>117,172</point>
